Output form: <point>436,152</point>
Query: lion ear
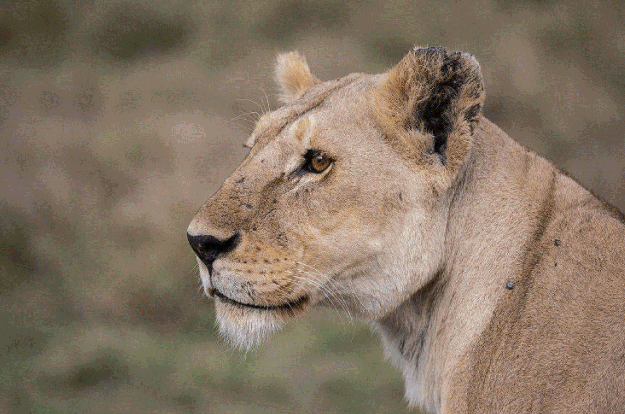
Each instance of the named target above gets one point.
<point>293,76</point>
<point>438,93</point>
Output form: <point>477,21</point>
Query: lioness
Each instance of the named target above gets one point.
<point>496,281</point>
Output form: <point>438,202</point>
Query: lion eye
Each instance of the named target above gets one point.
<point>317,161</point>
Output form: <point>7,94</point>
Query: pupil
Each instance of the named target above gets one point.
<point>318,161</point>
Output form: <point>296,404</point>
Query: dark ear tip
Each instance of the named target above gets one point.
<point>442,53</point>
<point>430,51</point>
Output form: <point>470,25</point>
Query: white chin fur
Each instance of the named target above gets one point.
<point>246,328</point>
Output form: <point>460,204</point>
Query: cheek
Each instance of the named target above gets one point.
<point>347,222</point>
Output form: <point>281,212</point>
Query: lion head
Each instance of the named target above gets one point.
<point>343,197</point>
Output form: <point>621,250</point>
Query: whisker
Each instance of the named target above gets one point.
<point>329,295</point>
<point>333,298</point>
<point>262,108</point>
<point>328,281</point>
<point>326,285</point>
<point>248,116</point>
<point>266,99</point>
<point>249,128</point>
<point>243,117</point>
<point>193,269</point>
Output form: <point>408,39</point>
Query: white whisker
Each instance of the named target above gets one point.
<point>266,99</point>
<point>319,280</point>
<point>262,108</point>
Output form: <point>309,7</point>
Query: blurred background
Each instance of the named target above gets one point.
<point>118,118</point>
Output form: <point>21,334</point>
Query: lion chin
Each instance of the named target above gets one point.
<point>246,328</point>
<point>247,325</point>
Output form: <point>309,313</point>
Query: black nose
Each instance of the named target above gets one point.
<point>209,248</point>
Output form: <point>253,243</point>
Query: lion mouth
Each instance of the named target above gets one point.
<point>289,307</point>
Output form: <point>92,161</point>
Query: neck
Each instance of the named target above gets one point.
<point>490,228</point>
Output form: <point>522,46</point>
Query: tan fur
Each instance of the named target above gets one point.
<point>293,76</point>
<point>496,282</point>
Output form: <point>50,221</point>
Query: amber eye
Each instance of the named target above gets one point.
<point>317,161</point>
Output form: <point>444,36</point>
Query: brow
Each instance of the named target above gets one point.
<point>300,108</point>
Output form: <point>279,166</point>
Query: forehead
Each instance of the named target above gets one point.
<point>334,104</point>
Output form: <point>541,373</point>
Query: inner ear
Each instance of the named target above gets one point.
<point>458,80</point>
<point>439,94</point>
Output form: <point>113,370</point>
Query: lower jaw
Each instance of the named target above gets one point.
<point>288,308</point>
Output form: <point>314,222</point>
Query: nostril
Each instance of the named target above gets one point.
<point>208,248</point>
